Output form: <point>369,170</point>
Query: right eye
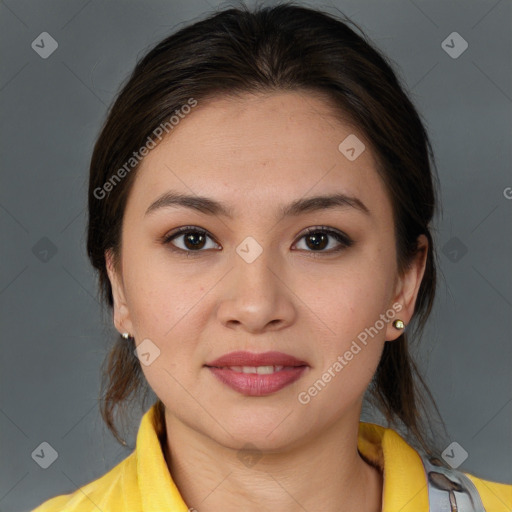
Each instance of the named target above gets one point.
<point>193,239</point>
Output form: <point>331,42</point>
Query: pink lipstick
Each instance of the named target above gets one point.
<point>257,374</point>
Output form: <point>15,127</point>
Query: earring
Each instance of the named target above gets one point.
<point>126,335</point>
<point>398,324</point>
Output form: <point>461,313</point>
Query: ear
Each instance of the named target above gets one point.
<point>122,319</point>
<point>406,290</point>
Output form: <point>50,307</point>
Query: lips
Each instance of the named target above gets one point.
<point>243,358</point>
<point>257,374</point>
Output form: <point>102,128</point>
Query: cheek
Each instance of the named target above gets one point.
<point>352,336</point>
<point>349,349</point>
<point>159,294</point>
<point>165,307</point>
<point>353,299</point>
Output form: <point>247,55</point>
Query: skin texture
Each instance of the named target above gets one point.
<point>255,153</point>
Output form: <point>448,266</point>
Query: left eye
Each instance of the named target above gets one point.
<point>318,238</point>
<point>194,239</point>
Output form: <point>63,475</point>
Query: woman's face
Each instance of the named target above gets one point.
<point>257,281</point>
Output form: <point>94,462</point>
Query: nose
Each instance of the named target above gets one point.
<point>256,295</point>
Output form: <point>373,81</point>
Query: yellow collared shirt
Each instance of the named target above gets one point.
<point>142,482</point>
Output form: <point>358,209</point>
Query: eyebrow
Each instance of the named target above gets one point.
<point>212,207</point>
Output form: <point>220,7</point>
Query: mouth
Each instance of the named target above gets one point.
<point>257,374</point>
<point>259,370</point>
<point>244,359</point>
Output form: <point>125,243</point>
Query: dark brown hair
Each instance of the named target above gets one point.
<point>275,49</point>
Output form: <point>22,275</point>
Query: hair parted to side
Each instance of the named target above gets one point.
<point>275,49</point>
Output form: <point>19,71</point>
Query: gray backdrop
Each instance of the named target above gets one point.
<point>54,337</point>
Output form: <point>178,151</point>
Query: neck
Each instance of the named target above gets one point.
<point>325,473</point>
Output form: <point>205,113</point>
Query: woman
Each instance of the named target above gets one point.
<point>260,209</point>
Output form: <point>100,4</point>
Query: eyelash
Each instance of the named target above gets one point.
<point>343,239</point>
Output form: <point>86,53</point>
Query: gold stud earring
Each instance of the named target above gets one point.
<point>398,324</point>
<point>126,335</point>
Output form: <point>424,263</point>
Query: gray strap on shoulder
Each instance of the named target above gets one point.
<point>450,490</point>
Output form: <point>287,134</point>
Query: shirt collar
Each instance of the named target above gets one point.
<point>404,489</point>
<point>157,489</point>
<point>405,484</point>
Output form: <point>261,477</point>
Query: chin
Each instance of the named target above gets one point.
<point>266,428</point>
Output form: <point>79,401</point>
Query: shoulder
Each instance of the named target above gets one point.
<point>114,491</point>
<point>407,471</point>
<point>495,496</point>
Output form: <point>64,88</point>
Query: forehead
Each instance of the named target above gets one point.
<point>260,149</point>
